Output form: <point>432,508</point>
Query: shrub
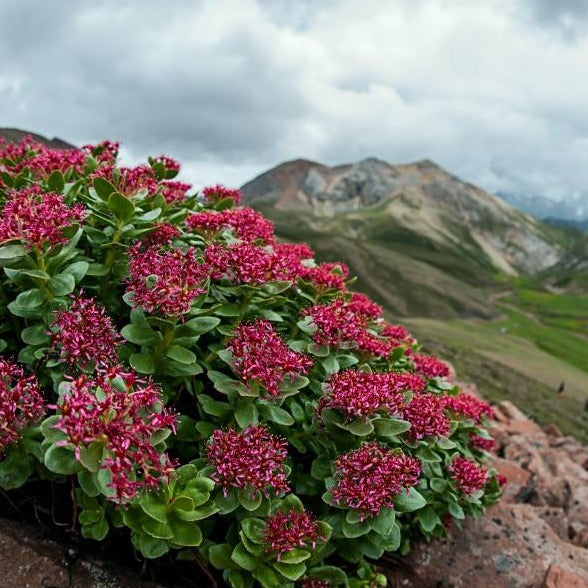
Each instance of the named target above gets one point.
<point>212,390</point>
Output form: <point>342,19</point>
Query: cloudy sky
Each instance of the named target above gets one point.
<point>494,90</point>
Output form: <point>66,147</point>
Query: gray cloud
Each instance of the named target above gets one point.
<point>231,87</point>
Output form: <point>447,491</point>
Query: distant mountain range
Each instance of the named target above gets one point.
<point>15,135</point>
<point>420,239</point>
<point>573,211</point>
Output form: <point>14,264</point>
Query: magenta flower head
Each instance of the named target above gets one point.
<point>260,356</point>
<point>363,394</point>
<point>165,281</point>
<point>84,334</point>
<point>249,225</point>
<point>169,164</point>
<point>240,263</point>
<point>468,406</point>
<point>430,366</point>
<point>286,530</point>
<point>327,276</point>
<point>162,234</point>
<point>254,459</point>
<point>426,417</point>
<point>482,443</point>
<point>370,477</point>
<point>207,223</point>
<point>468,476</point>
<point>37,218</point>
<point>397,335</point>
<point>122,412</point>
<point>214,194</point>
<point>174,191</point>
<point>21,403</point>
<point>289,260</point>
<point>104,152</point>
<point>346,324</point>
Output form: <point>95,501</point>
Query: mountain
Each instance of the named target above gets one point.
<point>421,240</point>
<point>571,271</point>
<point>15,135</point>
<point>573,209</point>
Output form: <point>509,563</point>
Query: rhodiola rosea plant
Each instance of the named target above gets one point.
<point>219,394</point>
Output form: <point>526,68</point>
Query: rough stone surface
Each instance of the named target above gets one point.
<point>29,561</point>
<point>536,538</point>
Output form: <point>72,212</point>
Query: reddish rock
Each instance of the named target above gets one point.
<point>518,478</point>
<point>511,547</point>
<point>28,561</point>
<point>557,577</point>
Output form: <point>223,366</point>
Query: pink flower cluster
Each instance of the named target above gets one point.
<point>288,530</point>
<point>483,443</point>
<point>397,335</point>
<point>370,477</point>
<point>468,406</point>
<point>165,281</point>
<point>346,324</point>
<point>260,356</point>
<point>289,260</point>
<point>84,335</point>
<point>240,263</point>
<point>162,234</point>
<point>174,191</point>
<point>129,180</point>
<point>425,413</point>
<point>247,224</point>
<point>38,218</point>
<point>214,194</point>
<point>104,152</point>
<point>253,459</point>
<point>21,403</point>
<point>363,394</point>
<point>170,165</point>
<point>41,160</point>
<point>122,412</point>
<point>430,366</point>
<point>469,477</point>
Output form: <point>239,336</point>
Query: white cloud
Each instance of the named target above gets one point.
<point>494,90</point>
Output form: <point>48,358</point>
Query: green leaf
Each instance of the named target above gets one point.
<point>243,558</point>
<point>121,206</point>
<point>428,455</point>
<point>254,529</point>
<point>62,284</point>
<point>140,334</point>
<point>99,530</point>
<point>214,407</point>
<point>11,252</point>
<point>142,363</point>
<point>48,430</point>
<point>186,533</point>
<point>267,577</point>
<point>152,548</point>
<point>157,529</point>
<point>438,485</point>
<point>246,413</point>
<point>330,574</point>
<point>389,427</point>
<point>103,188</point>
<point>384,522</point>
<point>56,181</point>
<point>353,530</point>
<point>393,538</point>
<point>36,335</point>
<point>330,364</point>
<point>61,460</point>
<point>78,270</point>
<point>154,508</point>
<point>15,468</point>
<point>290,571</point>
<point>228,503</point>
<point>409,500</point>
<point>428,519</point>
<point>30,298</point>
<point>202,324</point>
<point>358,427</point>
<point>276,414</point>
<point>220,556</point>
<point>250,498</point>
<point>455,510</point>
<point>295,556</point>
<point>88,484</point>
<point>91,456</point>
<point>181,354</point>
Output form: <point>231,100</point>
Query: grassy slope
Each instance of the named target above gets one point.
<point>511,337</point>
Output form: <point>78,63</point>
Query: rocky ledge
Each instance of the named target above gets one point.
<point>536,537</point>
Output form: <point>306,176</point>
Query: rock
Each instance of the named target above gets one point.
<point>558,577</point>
<point>29,561</point>
<point>553,430</point>
<point>511,547</point>
<point>557,519</point>
<point>518,478</point>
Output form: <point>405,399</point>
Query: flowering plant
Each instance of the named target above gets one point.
<point>211,390</point>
